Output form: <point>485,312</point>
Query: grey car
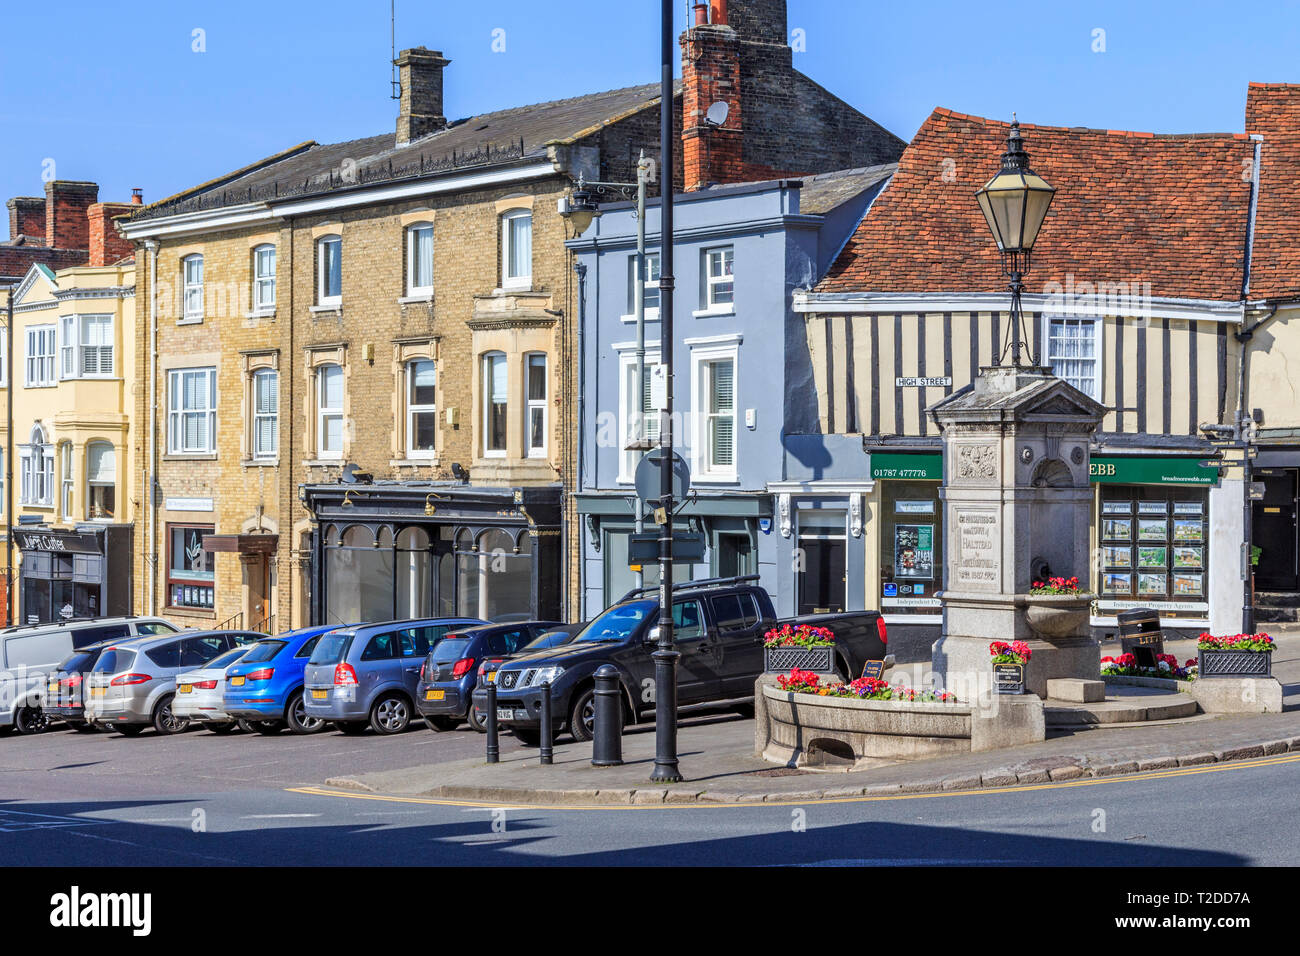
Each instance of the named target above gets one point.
<point>366,675</point>
<point>132,685</point>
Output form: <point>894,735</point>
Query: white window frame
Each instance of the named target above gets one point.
<point>627,460</point>
<point>36,461</point>
<point>711,281</point>
<point>177,413</point>
<point>651,285</point>
<point>67,480</point>
<point>257,417</point>
<point>40,367</point>
<point>4,363</point>
<point>413,409</point>
<point>192,300</point>
<point>264,283</point>
<point>321,297</point>
<point>507,249</point>
<point>701,385</point>
<point>325,413</point>
<point>412,260</point>
<point>486,361</point>
<point>91,484</point>
<point>1098,330</point>
<point>73,350</point>
<point>532,405</point>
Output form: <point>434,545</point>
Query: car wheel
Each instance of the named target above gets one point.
<point>441,723</point>
<point>245,726</point>
<point>299,721</point>
<point>30,720</point>
<point>390,714</point>
<point>528,736</point>
<point>268,728</point>
<point>582,716</point>
<point>129,730</point>
<point>164,721</point>
<point>350,727</point>
<point>229,727</point>
<point>82,726</point>
<point>477,721</point>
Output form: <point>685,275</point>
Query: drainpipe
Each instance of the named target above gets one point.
<point>580,268</point>
<point>151,499</point>
<point>9,458</point>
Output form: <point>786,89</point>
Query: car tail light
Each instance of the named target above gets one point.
<point>463,667</point>
<point>206,685</point>
<point>344,674</point>
<point>882,630</point>
<point>122,679</point>
<point>264,674</point>
<point>424,670</point>
<point>71,682</point>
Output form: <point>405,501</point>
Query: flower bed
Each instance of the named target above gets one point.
<point>1236,655</point>
<point>864,688</point>
<point>1055,586</point>
<point>1167,667</point>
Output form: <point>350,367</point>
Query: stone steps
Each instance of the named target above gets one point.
<point>1119,709</point>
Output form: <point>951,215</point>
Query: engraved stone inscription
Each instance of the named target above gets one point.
<point>978,551</point>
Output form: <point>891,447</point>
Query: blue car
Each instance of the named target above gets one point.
<point>265,687</point>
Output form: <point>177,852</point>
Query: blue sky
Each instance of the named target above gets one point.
<point>118,95</point>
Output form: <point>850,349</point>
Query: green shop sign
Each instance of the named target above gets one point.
<point>925,467</point>
<point>1151,471</point>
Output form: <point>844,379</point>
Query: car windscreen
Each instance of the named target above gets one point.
<point>451,648</point>
<point>222,661</point>
<point>113,660</point>
<point>618,623</point>
<point>331,649</point>
<point>549,639</point>
<point>261,652</point>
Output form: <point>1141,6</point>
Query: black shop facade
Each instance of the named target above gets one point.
<point>391,550</point>
<point>67,574</point>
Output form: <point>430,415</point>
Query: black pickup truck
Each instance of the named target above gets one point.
<point>718,628</point>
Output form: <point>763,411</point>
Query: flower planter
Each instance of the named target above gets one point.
<point>782,660</point>
<point>1057,615</point>
<point>1229,663</point>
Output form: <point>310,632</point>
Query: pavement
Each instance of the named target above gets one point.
<point>719,766</point>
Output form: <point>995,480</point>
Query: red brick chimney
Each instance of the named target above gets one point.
<point>710,75</point>
<point>66,204</point>
<point>26,217</point>
<point>106,246</point>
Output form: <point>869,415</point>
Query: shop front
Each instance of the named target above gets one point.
<point>1153,537</point>
<point>1275,530</point>
<point>84,573</point>
<point>399,550</point>
<point>909,535</point>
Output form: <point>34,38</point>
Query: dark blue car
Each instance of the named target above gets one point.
<point>265,687</point>
<point>445,692</point>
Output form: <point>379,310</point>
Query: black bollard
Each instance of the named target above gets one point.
<point>548,730</point>
<point>493,742</point>
<point>607,740</point>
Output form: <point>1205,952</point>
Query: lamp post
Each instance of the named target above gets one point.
<point>1014,203</point>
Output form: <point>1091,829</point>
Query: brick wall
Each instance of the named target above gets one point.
<point>26,217</point>
<point>106,246</point>
<point>66,206</point>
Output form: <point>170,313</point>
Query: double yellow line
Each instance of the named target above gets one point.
<point>1028,788</point>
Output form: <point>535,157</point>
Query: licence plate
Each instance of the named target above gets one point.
<point>184,688</point>
<point>236,682</point>
<point>319,694</point>
<point>492,677</point>
<point>505,713</point>
<point>435,694</point>
<point>54,688</point>
<point>98,691</point>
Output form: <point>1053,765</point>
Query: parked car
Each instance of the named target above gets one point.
<point>133,684</point>
<point>450,672</point>
<point>199,693</point>
<point>266,686</point>
<point>718,629</point>
<point>34,683</point>
<point>555,637</point>
<point>367,674</point>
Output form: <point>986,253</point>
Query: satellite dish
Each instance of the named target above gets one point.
<point>717,114</point>
<point>647,477</point>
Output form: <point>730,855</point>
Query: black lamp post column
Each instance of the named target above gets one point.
<point>665,655</point>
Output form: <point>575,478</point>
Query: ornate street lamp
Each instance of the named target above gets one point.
<point>1014,203</point>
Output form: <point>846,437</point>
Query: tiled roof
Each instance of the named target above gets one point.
<point>502,136</point>
<point>1130,207</point>
<point>1273,111</point>
<point>826,191</point>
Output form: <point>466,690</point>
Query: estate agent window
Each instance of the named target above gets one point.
<point>494,404</point>
<point>191,411</point>
<point>419,259</point>
<point>911,546</point>
<point>421,409</point>
<point>719,282</point>
<point>264,278</point>
<point>517,249</point>
<point>1154,544</point>
<point>189,567</point>
<point>535,410</point>
<point>101,481</point>
<point>329,270</point>
<point>40,356</point>
<point>329,411</point>
<point>266,413</point>
<point>192,281</point>
<point>87,350</point>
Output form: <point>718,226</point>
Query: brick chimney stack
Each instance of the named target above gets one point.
<point>711,74</point>
<point>420,107</point>
<point>26,217</point>
<point>66,205</point>
<point>106,246</point>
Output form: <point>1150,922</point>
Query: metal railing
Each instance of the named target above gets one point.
<point>233,623</point>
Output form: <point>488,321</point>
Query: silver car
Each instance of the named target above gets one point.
<point>199,693</point>
<point>133,684</point>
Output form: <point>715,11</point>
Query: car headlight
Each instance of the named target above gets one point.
<point>543,675</point>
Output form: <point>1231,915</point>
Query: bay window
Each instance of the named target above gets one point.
<point>87,350</point>
<point>421,409</point>
<point>101,481</point>
<point>36,464</point>
<point>494,404</point>
<point>535,405</point>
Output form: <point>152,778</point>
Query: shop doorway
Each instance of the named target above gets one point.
<point>821,562</point>
<point>1274,530</point>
